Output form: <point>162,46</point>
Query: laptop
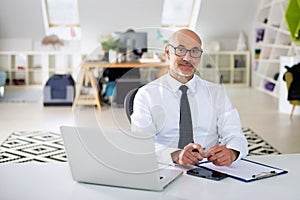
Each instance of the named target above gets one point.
<point>115,158</point>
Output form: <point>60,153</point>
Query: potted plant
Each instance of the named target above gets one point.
<point>111,47</point>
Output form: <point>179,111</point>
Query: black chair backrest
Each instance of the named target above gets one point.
<point>128,102</point>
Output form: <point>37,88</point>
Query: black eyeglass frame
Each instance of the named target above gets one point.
<point>186,50</point>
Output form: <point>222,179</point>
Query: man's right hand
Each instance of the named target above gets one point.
<point>190,155</point>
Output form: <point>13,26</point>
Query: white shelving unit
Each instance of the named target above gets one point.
<point>272,40</point>
<point>34,68</point>
<point>227,67</point>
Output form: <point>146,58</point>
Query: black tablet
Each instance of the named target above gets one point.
<point>207,173</point>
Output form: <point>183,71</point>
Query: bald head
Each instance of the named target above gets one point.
<point>185,35</point>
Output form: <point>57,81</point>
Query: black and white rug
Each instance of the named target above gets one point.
<point>257,145</point>
<point>33,146</point>
<point>48,147</point>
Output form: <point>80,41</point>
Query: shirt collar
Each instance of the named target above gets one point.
<point>174,84</point>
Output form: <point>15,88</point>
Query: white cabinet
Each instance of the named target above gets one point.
<point>34,68</point>
<point>227,67</point>
<point>272,40</point>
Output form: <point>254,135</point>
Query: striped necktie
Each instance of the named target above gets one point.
<point>185,121</point>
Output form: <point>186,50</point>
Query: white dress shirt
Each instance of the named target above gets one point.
<point>156,110</point>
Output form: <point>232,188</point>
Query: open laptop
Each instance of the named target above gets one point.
<point>115,158</point>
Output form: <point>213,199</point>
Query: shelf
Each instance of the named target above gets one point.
<point>240,69</point>
<point>227,67</point>
<point>37,67</point>
<point>272,40</point>
<point>267,61</point>
<point>269,79</point>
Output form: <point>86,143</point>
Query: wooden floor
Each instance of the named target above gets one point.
<point>258,111</point>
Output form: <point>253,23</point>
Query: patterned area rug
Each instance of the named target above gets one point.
<point>48,147</point>
<point>256,145</point>
<point>33,146</point>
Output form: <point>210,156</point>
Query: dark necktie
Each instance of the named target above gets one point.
<point>185,121</point>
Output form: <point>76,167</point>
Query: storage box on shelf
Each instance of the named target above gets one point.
<point>228,67</point>
<point>34,68</point>
<point>272,40</point>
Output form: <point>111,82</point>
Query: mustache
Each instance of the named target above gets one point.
<point>184,62</point>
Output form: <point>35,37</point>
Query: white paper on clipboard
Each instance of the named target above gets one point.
<point>246,170</point>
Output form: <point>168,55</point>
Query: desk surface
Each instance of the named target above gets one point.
<point>53,181</point>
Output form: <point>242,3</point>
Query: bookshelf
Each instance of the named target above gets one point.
<point>232,67</point>
<point>35,68</point>
<point>272,40</point>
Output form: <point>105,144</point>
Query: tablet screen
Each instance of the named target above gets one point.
<point>206,173</point>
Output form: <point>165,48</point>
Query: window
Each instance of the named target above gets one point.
<point>180,13</point>
<point>62,19</point>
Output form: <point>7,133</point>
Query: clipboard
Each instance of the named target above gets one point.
<point>246,170</point>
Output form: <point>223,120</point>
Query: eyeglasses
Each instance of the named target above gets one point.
<point>181,51</point>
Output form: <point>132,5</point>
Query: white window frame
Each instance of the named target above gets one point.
<point>173,9</point>
<point>64,30</point>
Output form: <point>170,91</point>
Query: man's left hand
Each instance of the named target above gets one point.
<point>221,156</point>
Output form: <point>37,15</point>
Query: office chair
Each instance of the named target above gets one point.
<point>128,102</point>
<point>125,79</point>
<point>123,86</point>
<point>288,77</point>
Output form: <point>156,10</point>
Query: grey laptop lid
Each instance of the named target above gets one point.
<point>113,157</point>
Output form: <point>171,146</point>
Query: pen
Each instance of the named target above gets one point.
<point>204,148</point>
<point>196,150</point>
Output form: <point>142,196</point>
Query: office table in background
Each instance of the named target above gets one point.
<point>50,181</point>
<point>88,77</point>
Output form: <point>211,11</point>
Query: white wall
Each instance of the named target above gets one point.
<point>224,20</point>
<point>115,15</point>
<point>20,20</point>
<point>218,20</point>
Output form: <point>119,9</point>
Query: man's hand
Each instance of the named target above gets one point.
<point>221,155</point>
<point>190,155</point>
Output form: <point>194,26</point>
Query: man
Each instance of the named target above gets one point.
<point>216,128</point>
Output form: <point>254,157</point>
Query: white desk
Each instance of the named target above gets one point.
<point>53,181</point>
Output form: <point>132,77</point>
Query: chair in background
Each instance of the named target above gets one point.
<point>59,90</point>
<point>288,77</point>
<point>128,81</point>
<point>123,86</point>
<point>3,77</point>
<point>128,102</point>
